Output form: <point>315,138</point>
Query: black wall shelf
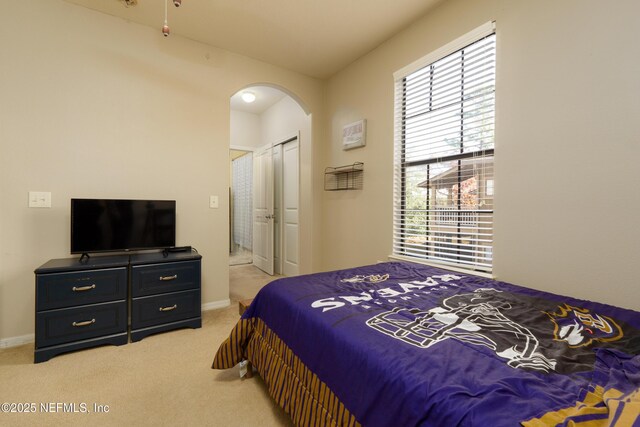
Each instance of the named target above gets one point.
<point>348,177</point>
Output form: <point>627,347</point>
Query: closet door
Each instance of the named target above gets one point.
<point>263,217</point>
<point>290,208</point>
<point>277,208</point>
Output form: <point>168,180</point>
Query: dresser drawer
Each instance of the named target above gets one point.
<point>154,279</point>
<point>56,290</point>
<point>78,323</point>
<point>155,310</point>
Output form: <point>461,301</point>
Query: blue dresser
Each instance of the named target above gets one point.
<point>109,298</point>
<point>164,295</point>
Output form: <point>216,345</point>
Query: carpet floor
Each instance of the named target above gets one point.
<point>241,256</point>
<point>165,379</point>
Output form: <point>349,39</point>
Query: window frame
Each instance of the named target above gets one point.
<point>400,158</point>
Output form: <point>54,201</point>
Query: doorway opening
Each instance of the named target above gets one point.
<point>268,129</point>
<point>241,208</point>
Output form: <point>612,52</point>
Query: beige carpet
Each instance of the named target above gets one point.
<point>240,256</point>
<point>164,379</point>
<point>246,280</point>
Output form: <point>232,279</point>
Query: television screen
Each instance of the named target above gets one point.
<point>100,225</point>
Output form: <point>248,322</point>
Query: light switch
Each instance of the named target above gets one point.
<point>213,202</point>
<point>39,199</point>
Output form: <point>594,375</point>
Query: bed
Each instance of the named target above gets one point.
<point>403,344</point>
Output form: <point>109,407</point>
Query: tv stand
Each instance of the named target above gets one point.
<point>82,258</point>
<point>86,302</point>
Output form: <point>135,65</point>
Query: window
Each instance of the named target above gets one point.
<point>444,149</point>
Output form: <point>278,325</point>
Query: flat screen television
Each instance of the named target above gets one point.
<point>107,225</point>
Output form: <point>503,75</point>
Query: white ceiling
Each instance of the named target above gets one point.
<point>265,98</point>
<point>313,37</point>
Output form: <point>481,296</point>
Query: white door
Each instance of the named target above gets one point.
<point>277,208</point>
<point>263,210</point>
<point>290,209</point>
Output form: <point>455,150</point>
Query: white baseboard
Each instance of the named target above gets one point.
<point>216,304</point>
<point>15,341</point>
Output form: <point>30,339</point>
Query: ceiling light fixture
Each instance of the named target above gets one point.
<point>248,97</point>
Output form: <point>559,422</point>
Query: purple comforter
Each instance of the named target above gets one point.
<point>402,344</point>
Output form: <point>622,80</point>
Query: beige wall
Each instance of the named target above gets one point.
<point>245,129</point>
<point>567,145</point>
<point>94,106</point>
<point>284,120</point>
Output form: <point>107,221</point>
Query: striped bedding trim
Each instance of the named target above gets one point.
<point>291,384</point>
<point>233,350</point>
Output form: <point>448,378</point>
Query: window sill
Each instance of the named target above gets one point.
<point>441,265</point>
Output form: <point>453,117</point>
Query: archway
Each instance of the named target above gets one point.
<point>272,129</point>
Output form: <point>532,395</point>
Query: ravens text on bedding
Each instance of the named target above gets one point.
<point>401,291</point>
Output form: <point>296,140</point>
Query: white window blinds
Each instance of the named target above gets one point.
<point>444,148</point>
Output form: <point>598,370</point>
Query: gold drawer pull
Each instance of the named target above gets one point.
<point>173,307</point>
<point>175,276</point>
<point>85,323</point>
<point>83,288</point>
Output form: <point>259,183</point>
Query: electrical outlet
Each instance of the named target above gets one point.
<point>39,199</point>
<point>213,202</point>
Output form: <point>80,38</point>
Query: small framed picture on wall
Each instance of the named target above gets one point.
<point>354,135</point>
